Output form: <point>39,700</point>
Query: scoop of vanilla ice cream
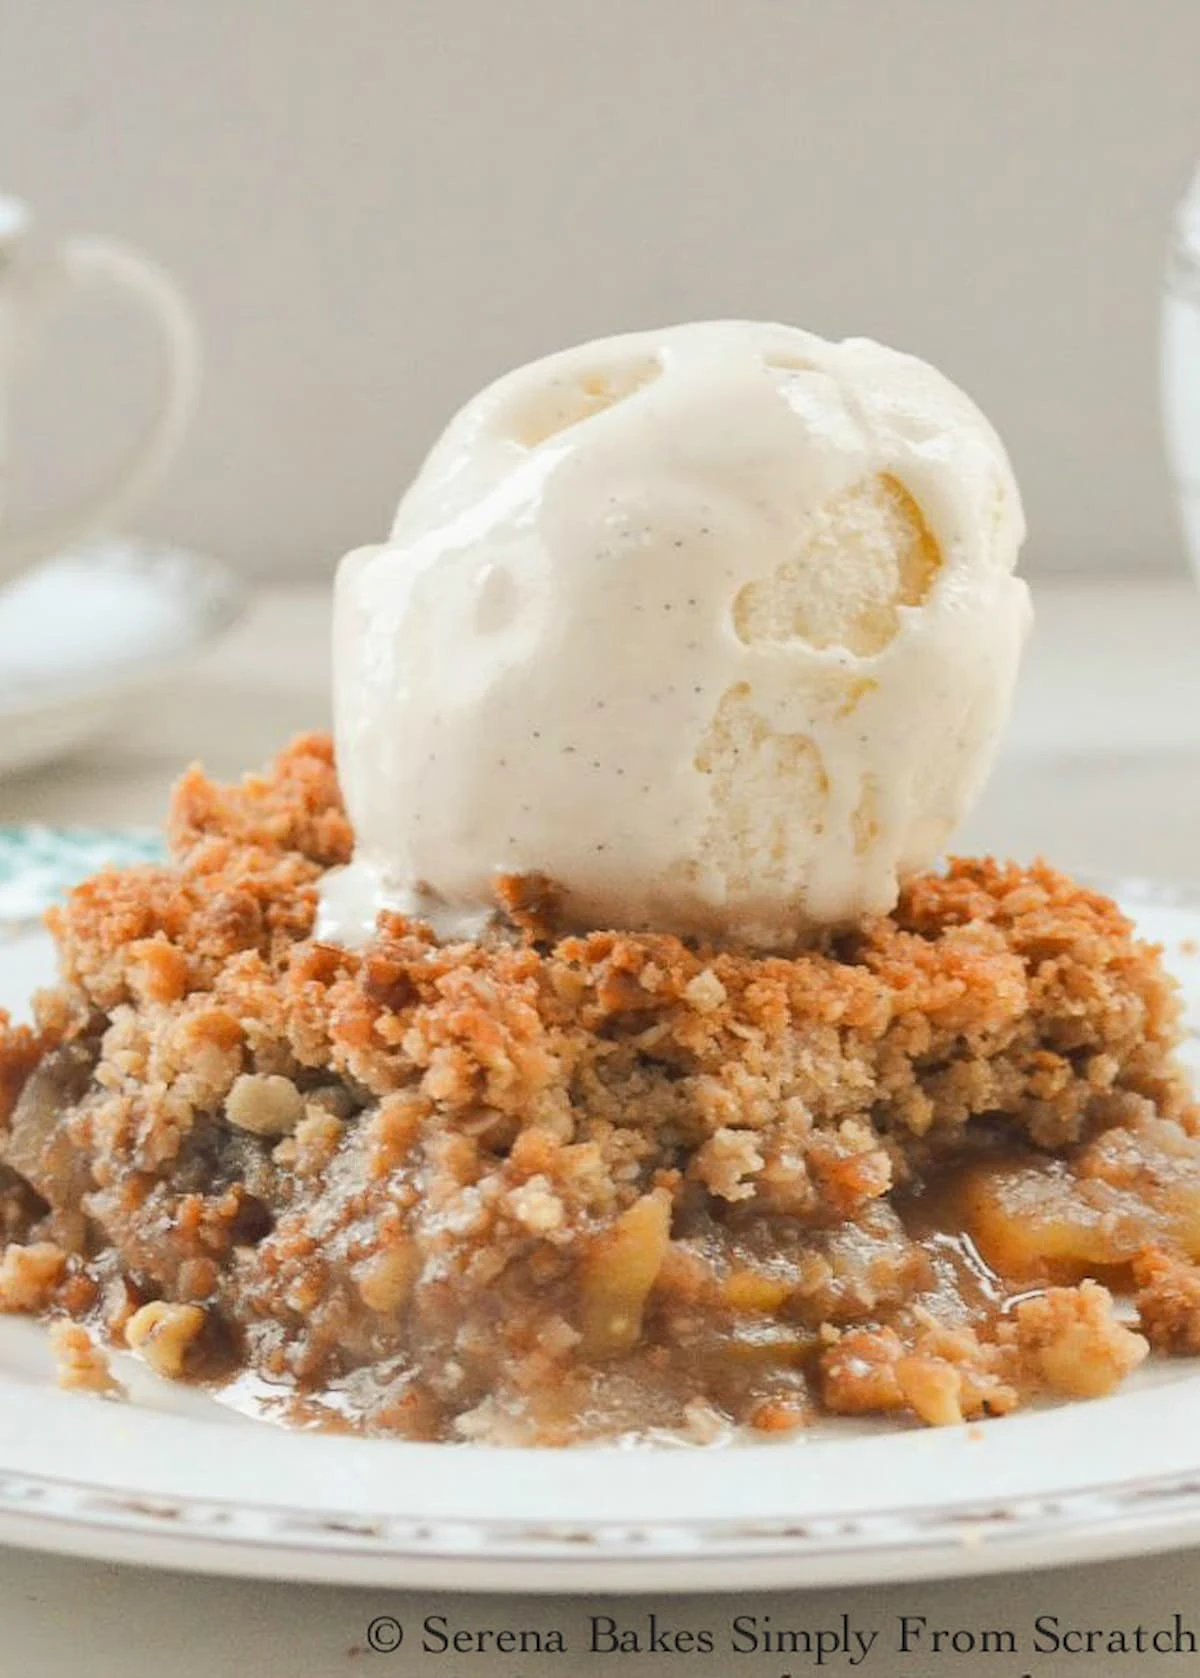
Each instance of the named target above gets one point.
<point>715,626</point>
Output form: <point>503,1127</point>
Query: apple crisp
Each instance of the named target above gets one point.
<point>544,1188</point>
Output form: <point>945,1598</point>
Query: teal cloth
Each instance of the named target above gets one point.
<point>39,864</point>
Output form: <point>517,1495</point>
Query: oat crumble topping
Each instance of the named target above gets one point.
<point>541,1188</point>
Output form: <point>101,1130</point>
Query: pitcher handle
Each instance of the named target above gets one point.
<point>88,265</point>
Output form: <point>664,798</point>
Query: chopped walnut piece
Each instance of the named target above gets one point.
<point>385,1280</point>
<point>264,1104</point>
<point>931,1387</point>
<point>1074,1343</point>
<point>163,1334</point>
<point>705,992</point>
<point>858,1372</point>
<point>29,1275</point>
<point>81,1365</point>
<point>536,1207</point>
<point>726,1161</point>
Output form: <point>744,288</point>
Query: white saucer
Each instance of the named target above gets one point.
<point>83,632</point>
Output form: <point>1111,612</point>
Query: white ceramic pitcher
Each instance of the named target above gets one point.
<point>35,282</point>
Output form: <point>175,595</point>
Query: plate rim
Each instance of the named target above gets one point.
<point>970,1537</point>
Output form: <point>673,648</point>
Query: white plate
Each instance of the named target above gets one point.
<point>82,633</point>
<point>173,1478</point>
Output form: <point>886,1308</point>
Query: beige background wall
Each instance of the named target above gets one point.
<point>377,204</point>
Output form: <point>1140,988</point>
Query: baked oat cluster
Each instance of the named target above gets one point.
<point>540,1188</point>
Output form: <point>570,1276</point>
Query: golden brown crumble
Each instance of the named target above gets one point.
<point>538,1187</point>
<point>1168,1301</point>
<point>1072,1342</point>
